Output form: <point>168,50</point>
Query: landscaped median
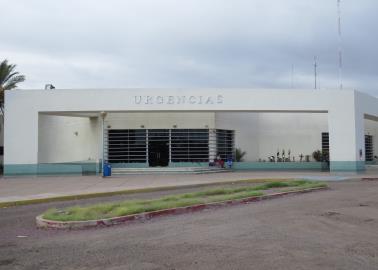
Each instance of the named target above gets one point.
<point>107,214</point>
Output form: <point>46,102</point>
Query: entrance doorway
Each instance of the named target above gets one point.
<point>158,154</point>
<point>158,148</point>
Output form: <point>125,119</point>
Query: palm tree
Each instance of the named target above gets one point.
<point>9,79</point>
<point>239,155</point>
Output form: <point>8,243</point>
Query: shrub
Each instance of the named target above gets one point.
<point>317,155</point>
<point>239,155</point>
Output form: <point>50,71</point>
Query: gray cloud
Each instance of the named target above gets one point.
<point>196,43</point>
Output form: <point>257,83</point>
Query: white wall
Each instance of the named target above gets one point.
<point>68,139</point>
<point>345,112</point>
<point>159,120</point>
<point>262,134</point>
<point>58,142</point>
<point>299,132</point>
<point>259,134</point>
<point>246,127</point>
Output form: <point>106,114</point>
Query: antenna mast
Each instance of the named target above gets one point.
<point>340,42</point>
<point>292,76</point>
<point>315,71</point>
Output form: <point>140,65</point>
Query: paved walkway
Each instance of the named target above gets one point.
<point>28,188</point>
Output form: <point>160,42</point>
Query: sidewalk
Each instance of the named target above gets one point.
<point>42,187</point>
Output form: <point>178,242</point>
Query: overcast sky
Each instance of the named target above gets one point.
<point>190,43</point>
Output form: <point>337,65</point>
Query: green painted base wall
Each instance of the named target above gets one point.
<point>74,168</point>
<point>335,166</point>
<point>129,165</point>
<point>375,162</point>
<point>279,166</point>
<point>347,166</point>
<point>92,168</point>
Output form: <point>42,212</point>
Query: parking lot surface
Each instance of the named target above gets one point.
<point>333,229</point>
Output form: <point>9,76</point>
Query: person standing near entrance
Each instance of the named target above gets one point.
<point>229,161</point>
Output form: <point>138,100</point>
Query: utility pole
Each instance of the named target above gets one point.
<point>292,76</point>
<point>340,42</point>
<point>315,72</point>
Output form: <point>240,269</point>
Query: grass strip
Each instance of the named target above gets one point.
<point>115,209</point>
<point>128,191</point>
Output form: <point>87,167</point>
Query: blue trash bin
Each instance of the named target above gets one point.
<point>107,170</point>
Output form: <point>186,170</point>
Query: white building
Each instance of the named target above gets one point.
<point>71,131</point>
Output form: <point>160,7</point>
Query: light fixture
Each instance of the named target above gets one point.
<point>49,86</point>
<point>103,114</point>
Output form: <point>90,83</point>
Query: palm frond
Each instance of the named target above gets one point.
<point>12,82</point>
<point>239,154</point>
<point>10,75</point>
<point>6,69</point>
<point>8,79</point>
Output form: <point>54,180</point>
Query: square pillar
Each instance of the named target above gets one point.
<point>346,138</point>
<point>20,141</point>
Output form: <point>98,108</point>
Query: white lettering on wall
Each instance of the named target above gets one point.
<point>171,100</point>
<point>149,100</point>
<point>138,99</point>
<point>174,100</point>
<point>209,100</point>
<point>159,100</point>
<point>192,100</point>
<point>220,99</point>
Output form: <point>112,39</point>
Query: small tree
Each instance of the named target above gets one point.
<point>239,155</point>
<point>9,79</point>
<point>320,155</point>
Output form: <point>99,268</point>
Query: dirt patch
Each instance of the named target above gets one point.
<point>322,230</point>
<point>355,215</point>
<point>330,214</point>
<point>7,261</point>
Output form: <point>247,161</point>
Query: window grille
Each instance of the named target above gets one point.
<point>325,142</point>
<point>125,145</point>
<point>225,143</point>
<point>190,145</point>
<point>369,153</point>
<point>158,135</point>
<point>185,145</point>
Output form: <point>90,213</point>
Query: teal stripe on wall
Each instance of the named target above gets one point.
<point>342,166</point>
<point>77,168</point>
<point>92,168</point>
<point>318,166</point>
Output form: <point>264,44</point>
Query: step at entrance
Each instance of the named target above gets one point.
<point>168,170</point>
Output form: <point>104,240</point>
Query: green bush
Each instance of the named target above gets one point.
<point>239,155</point>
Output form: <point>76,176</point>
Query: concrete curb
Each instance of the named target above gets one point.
<point>68,225</point>
<point>130,191</point>
<point>369,179</point>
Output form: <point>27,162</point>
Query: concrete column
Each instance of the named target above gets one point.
<point>212,145</point>
<point>21,141</point>
<point>346,139</point>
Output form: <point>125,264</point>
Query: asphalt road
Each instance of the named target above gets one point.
<point>334,229</point>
